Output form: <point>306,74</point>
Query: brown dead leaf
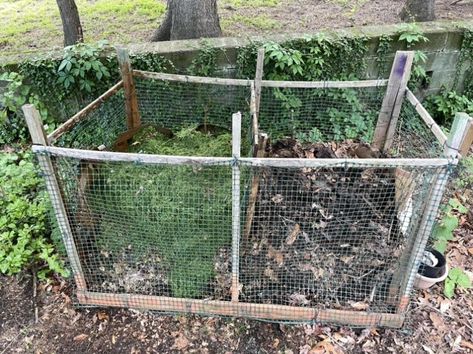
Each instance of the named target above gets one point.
<point>275,255</point>
<point>470,250</point>
<point>80,337</point>
<point>327,346</point>
<point>427,349</point>
<point>180,343</point>
<point>437,321</point>
<point>293,235</point>
<point>298,299</point>
<point>360,306</point>
<point>102,316</point>
<point>114,339</point>
<point>278,198</point>
<point>466,344</point>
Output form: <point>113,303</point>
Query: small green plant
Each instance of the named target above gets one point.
<point>411,34</point>
<point>23,222</point>
<point>445,104</point>
<point>16,94</point>
<point>283,63</point>
<point>82,66</point>
<point>457,278</point>
<point>443,230</point>
<point>205,63</point>
<point>314,136</point>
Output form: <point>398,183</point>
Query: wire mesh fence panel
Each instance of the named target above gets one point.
<point>318,114</point>
<point>100,127</point>
<point>332,237</point>
<point>174,105</point>
<point>150,229</point>
<point>413,138</point>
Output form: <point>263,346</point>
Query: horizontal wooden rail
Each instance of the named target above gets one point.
<point>76,118</point>
<point>267,162</point>
<point>264,83</point>
<point>250,310</point>
<point>191,79</point>
<point>426,117</point>
<point>324,84</point>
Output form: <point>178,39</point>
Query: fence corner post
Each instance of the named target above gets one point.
<point>38,135</point>
<point>236,228</point>
<point>391,107</point>
<point>131,100</point>
<point>461,136</point>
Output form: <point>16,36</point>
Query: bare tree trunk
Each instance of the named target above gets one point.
<point>186,19</point>
<point>70,22</point>
<point>418,11</point>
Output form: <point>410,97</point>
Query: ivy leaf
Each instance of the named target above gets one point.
<point>450,222</point>
<point>449,289</point>
<point>441,245</point>
<point>455,204</point>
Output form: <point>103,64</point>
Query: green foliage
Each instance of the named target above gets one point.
<point>17,93</point>
<point>445,104</point>
<point>173,204</point>
<point>23,221</point>
<point>188,141</point>
<point>457,278</point>
<point>412,34</point>
<point>465,175</point>
<point>152,62</point>
<point>443,230</point>
<point>314,136</point>
<point>205,63</point>
<point>82,68</point>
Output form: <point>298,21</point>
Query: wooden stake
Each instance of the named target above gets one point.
<point>259,78</point>
<point>35,127</point>
<point>389,114</point>
<point>467,139</point>
<point>236,151</point>
<point>263,138</point>
<point>459,136</point>
<point>131,101</point>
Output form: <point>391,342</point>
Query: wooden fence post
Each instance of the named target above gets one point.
<point>391,107</point>
<point>259,78</point>
<point>35,127</point>
<point>131,101</point>
<point>236,229</point>
<point>460,137</point>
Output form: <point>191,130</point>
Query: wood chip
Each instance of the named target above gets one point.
<point>360,306</point>
<point>275,255</point>
<point>293,235</point>
<point>80,337</point>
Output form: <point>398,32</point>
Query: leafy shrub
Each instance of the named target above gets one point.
<point>444,105</point>
<point>23,221</point>
<point>457,278</point>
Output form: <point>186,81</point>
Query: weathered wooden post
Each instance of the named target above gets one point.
<point>131,101</point>
<point>35,127</point>
<point>391,107</point>
<point>236,152</point>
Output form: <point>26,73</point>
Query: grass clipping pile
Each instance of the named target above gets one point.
<point>322,236</point>
<point>164,229</point>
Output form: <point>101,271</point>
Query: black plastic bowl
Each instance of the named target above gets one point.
<point>436,271</point>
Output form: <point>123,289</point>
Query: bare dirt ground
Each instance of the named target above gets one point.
<point>314,15</point>
<point>434,324</point>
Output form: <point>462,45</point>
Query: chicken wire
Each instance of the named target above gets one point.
<point>312,237</point>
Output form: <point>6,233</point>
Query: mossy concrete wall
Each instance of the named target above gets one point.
<point>442,49</point>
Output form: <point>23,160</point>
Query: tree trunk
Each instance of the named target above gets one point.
<point>418,11</point>
<point>187,19</point>
<point>70,22</point>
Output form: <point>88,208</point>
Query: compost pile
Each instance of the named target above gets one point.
<point>163,229</point>
<point>322,236</point>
